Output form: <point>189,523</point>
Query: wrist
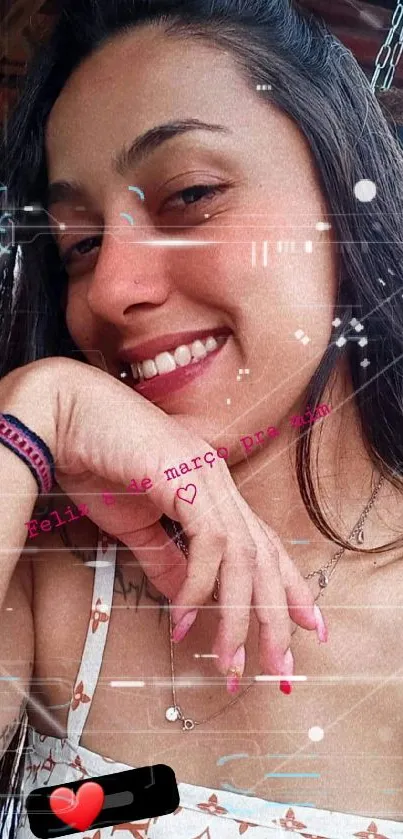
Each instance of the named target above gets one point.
<point>18,494</point>
<point>30,394</point>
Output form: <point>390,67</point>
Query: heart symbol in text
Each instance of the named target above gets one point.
<point>78,809</point>
<point>183,490</point>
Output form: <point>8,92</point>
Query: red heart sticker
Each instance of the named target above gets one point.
<point>78,809</point>
<point>184,490</point>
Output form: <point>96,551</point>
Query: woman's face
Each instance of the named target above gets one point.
<point>228,243</point>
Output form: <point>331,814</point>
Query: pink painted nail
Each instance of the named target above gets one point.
<point>321,628</point>
<point>236,670</point>
<point>182,628</point>
<point>288,664</point>
<point>287,670</point>
<point>233,682</point>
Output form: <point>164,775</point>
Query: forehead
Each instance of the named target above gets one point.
<point>138,80</point>
<point>146,78</point>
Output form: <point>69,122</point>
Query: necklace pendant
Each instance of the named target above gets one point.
<point>173,713</point>
<point>360,536</point>
<point>187,725</point>
<point>323,579</point>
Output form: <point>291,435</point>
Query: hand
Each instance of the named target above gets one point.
<point>102,434</point>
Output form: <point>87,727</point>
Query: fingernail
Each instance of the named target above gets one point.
<point>236,670</point>
<point>233,682</point>
<point>182,628</point>
<point>288,664</point>
<point>287,670</point>
<point>321,628</point>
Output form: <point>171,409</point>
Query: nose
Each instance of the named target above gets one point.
<point>132,270</point>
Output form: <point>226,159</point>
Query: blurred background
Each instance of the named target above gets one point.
<point>362,25</point>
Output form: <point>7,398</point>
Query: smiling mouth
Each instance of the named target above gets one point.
<point>181,356</point>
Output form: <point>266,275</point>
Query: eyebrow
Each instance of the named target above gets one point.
<point>66,191</point>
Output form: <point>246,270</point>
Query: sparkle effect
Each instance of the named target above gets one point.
<point>300,335</point>
<point>365,191</point>
<point>242,372</point>
<point>316,733</point>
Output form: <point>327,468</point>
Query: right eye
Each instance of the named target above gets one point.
<point>82,248</point>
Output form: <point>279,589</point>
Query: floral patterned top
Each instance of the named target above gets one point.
<point>202,813</point>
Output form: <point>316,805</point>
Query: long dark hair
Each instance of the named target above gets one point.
<point>318,83</point>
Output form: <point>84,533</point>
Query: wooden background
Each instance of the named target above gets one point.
<point>361,24</point>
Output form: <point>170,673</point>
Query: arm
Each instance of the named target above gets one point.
<point>60,399</point>
<point>16,652</point>
<point>18,493</point>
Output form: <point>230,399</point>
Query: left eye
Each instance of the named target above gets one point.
<point>193,194</point>
<point>81,248</point>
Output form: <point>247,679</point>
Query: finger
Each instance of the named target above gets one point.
<point>269,596</point>
<point>205,556</point>
<point>230,546</point>
<point>236,586</point>
<point>300,598</point>
<point>271,609</point>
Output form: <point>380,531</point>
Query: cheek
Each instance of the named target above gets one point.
<point>269,294</point>
<point>302,290</point>
<point>294,301</point>
<point>218,275</point>
<point>268,288</point>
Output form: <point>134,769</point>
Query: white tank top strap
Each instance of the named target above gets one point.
<point>91,661</point>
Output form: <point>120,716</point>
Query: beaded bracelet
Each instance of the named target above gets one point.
<point>30,448</point>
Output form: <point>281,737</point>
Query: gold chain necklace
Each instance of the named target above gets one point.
<point>174,712</point>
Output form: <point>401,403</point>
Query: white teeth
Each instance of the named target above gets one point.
<point>182,355</point>
<point>198,350</point>
<point>149,369</point>
<point>211,344</point>
<point>165,362</point>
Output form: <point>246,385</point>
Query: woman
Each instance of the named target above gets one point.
<point>218,178</point>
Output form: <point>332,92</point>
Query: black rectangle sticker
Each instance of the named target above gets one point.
<point>102,801</point>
